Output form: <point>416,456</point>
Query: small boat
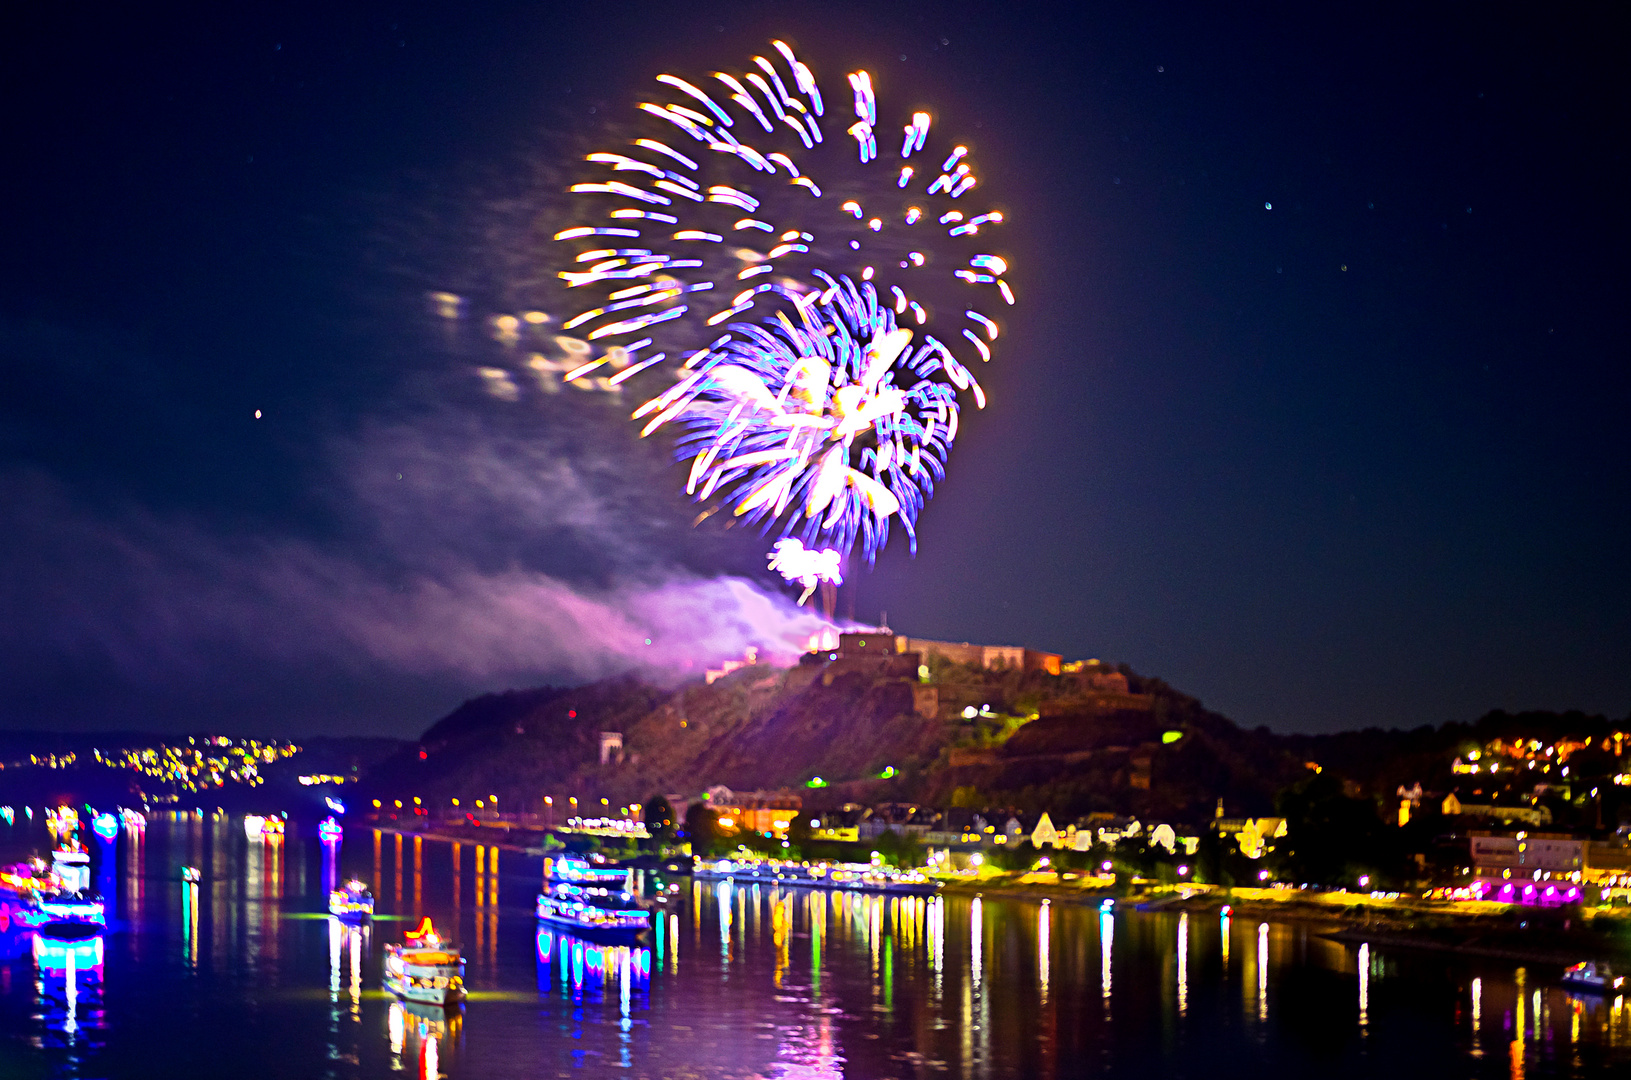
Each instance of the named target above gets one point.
<point>25,880</point>
<point>106,826</point>
<point>351,903</point>
<point>594,911</point>
<point>1593,977</point>
<point>67,895</point>
<point>424,968</point>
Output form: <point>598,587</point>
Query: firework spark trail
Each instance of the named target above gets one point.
<point>824,420</point>
<point>833,425</point>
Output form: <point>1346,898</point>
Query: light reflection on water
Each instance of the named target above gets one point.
<point>243,970</point>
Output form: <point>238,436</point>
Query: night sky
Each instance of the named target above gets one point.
<point>1314,405</point>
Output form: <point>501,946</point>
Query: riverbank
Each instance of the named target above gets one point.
<point>1508,932</point>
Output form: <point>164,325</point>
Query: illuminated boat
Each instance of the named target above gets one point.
<point>330,831</point>
<point>66,893</point>
<point>594,911</point>
<point>580,871</point>
<point>424,968</point>
<point>26,881</point>
<point>106,826</point>
<point>1593,977</point>
<point>351,903</point>
<point>851,877</point>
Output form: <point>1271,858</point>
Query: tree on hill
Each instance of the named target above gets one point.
<point>659,819</point>
<point>1334,839</point>
<point>702,828</point>
<point>898,850</point>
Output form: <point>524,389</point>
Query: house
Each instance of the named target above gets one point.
<point>769,812</point>
<point>1505,814</point>
<point>1534,856</point>
<point>1045,835</point>
<point>1252,834</point>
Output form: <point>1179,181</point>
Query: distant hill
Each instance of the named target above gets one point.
<point>1035,741</point>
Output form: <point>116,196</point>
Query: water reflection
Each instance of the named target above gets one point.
<point>1364,985</point>
<point>1477,1016</point>
<point>423,1037</point>
<point>1183,963</point>
<point>1107,935</point>
<point>68,992</point>
<point>803,983</point>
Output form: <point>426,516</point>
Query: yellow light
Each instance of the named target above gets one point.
<point>376,804</point>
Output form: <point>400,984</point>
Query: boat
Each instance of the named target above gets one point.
<point>592,901</point>
<point>330,831</point>
<point>352,902</point>
<point>62,893</point>
<point>580,871</point>
<point>1593,977</point>
<point>850,877</point>
<point>424,968</point>
<point>25,881</point>
<point>106,826</point>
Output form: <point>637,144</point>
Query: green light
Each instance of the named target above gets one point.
<point>1171,736</point>
<point>888,772</point>
<point>815,781</point>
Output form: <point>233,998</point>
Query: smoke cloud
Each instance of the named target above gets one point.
<point>459,550</point>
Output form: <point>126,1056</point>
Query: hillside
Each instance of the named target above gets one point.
<point>1071,743</point>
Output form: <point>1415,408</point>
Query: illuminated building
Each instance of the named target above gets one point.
<point>754,811</point>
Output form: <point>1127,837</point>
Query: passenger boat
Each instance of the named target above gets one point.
<point>352,902</point>
<point>580,871</point>
<point>424,968</point>
<point>592,901</point>
<point>851,877</point>
<point>1593,977</point>
<point>26,880</point>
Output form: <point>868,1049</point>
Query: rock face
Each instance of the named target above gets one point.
<point>1028,739</point>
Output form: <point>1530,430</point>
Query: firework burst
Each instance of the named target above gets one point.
<point>834,414</point>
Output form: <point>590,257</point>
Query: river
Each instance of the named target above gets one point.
<point>243,976</point>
